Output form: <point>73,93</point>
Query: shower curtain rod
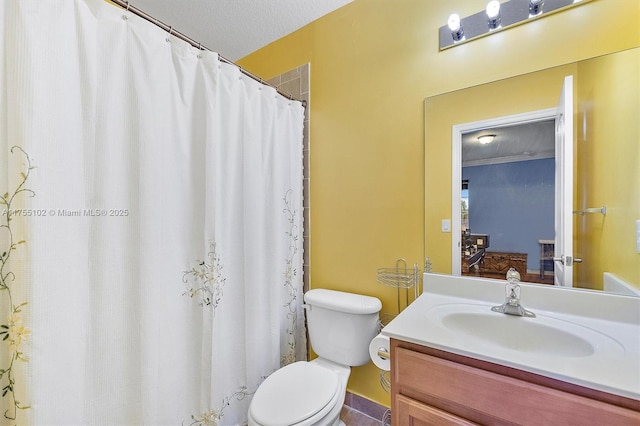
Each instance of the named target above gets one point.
<point>127,6</point>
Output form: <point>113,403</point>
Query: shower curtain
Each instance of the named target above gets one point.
<point>150,223</point>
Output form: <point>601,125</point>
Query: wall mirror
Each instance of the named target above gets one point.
<point>504,197</point>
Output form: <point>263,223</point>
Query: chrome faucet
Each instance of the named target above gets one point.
<point>511,305</point>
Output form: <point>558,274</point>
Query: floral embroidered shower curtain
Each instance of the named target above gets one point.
<point>151,227</point>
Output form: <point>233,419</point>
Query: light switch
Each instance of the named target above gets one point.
<point>446,225</point>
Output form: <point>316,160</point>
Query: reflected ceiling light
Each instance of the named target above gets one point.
<point>455,27</point>
<point>535,7</point>
<point>486,139</point>
<point>493,14</point>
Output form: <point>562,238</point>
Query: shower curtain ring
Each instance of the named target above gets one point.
<point>128,5</point>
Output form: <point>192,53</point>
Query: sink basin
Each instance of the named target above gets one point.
<point>586,338</point>
<point>543,335</point>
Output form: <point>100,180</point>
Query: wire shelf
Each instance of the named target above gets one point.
<point>384,319</point>
<point>386,418</point>
<point>399,277</point>
<point>385,380</point>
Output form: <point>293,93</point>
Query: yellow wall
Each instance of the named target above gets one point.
<point>608,170</point>
<point>372,64</point>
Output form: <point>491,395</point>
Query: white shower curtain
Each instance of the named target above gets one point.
<point>155,198</point>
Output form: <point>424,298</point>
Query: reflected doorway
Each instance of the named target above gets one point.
<point>506,197</point>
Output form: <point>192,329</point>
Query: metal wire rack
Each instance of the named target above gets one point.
<point>385,376</point>
<point>384,319</point>
<point>385,380</point>
<point>386,418</point>
<point>399,276</point>
<point>402,278</point>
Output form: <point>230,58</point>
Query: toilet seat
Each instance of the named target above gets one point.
<point>295,393</point>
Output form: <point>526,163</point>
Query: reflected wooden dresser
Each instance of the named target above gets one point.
<point>499,263</point>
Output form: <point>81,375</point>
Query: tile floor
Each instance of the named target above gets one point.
<point>352,417</point>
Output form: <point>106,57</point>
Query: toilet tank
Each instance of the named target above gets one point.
<point>341,325</point>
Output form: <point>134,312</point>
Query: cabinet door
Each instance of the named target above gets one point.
<point>414,413</point>
<point>487,397</point>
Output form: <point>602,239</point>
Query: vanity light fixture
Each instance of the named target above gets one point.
<point>499,16</point>
<point>535,7</point>
<point>457,33</point>
<point>486,139</point>
<point>493,14</point>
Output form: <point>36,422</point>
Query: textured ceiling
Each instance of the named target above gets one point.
<point>235,28</point>
<point>512,143</point>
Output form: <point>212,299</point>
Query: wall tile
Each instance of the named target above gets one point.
<point>296,83</point>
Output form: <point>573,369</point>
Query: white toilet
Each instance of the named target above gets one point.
<point>341,326</point>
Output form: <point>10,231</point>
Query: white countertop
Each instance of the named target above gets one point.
<point>614,367</point>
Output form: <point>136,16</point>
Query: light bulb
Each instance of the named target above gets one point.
<point>493,13</point>
<point>457,33</point>
<point>535,7</point>
<point>454,22</point>
<point>493,9</point>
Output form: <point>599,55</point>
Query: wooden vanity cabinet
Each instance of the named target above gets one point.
<point>437,388</point>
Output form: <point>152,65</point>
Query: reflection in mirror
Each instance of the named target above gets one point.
<point>509,181</point>
<point>523,176</point>
<point>606,155</point>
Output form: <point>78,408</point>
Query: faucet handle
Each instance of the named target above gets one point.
<point>512,289</point>
<point>513,275</point>
<point>511,305</point>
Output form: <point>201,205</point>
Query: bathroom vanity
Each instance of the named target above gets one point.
<point>455,362</point>
<point>434,387</point>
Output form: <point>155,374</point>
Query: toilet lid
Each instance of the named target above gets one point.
<point>293,393</point>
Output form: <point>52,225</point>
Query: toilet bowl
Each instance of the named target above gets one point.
<point>340,325</point>
<point>301,394</point>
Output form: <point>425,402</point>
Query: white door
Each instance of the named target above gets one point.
<point>563,258</point>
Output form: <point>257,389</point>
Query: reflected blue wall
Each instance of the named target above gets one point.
<point>513,203</point>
